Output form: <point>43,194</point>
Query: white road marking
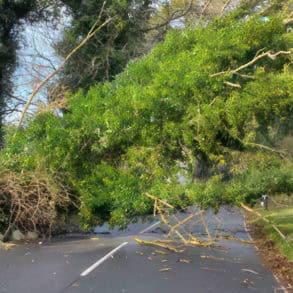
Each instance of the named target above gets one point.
<point>245,228</point>
<point>150,227</point>
<point>100,261</point>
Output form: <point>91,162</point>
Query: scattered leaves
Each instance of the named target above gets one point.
<point>165,269</point>
<point>184,260</point>
<point>211,257</point>
<point>94,238</point>
<point>247,282</point>
<point>160,252</point>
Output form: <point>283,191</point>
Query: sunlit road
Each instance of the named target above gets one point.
<point>116,263</point>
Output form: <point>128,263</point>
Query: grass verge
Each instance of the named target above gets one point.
<point>273,234</point>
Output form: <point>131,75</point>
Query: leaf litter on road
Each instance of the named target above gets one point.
<point>94,238</point>
<point>212,257</point>
<point>184,260</point>
<point>165,269</point>
<point>247,282</point>
<point>160,251</point>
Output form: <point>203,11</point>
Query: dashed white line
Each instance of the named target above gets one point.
<point>110,254</point>
<point>150,227</point>
<point>100,261</point>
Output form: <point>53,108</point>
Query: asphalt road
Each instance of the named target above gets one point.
<point>57,266</point>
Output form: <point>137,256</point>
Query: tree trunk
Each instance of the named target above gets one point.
<point>201,167</point>
<point>1,111</point>
<point>1,133</point>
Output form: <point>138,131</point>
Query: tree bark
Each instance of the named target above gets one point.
<point>201,167</point>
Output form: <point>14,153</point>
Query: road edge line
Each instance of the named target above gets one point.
<point>247,231</point>
<point>281,286</point>
<point>100,261</point>
<point>246,228</point>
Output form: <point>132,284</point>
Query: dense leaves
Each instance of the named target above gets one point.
<point>169,118</point>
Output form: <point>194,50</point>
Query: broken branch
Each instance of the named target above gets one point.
<point>159,200</point>
<point>265,219</point>
<point>156,243</point>
<point>269,54</point>
<point>236,85</point>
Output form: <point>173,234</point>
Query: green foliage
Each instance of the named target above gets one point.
<point>247,186</point>
<point>167,115</point>
<point>282,217</point>
<point>106,191</point>
<point>212,194</point>
<point>251,185</point>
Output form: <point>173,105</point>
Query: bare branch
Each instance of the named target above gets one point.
<point>32,200</point>
<point>237,85</point>
<point>174,16</point>
<point>206,6</point>
<point>98,19</point>
<point>264,218</point>
<point>269,54</point>
<point>289,20</point>
<point>281,153</point>
<point>92,32</point>
<point>227,3</point>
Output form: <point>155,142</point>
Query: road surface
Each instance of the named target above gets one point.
<point>114,262</point>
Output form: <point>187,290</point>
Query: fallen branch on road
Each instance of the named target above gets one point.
<point>157,243</point>
<point>176,226</point>
<point>228,237</point>
<point>263,218</point>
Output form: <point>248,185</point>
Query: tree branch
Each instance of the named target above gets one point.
<point>91,33</point>
<point>172,17</point>
<point>269,54</point>
<point>236,85</point>
<point>226,4</point>
<point>264,147</point>
<point>206,6</point>
<point>281,153</point>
